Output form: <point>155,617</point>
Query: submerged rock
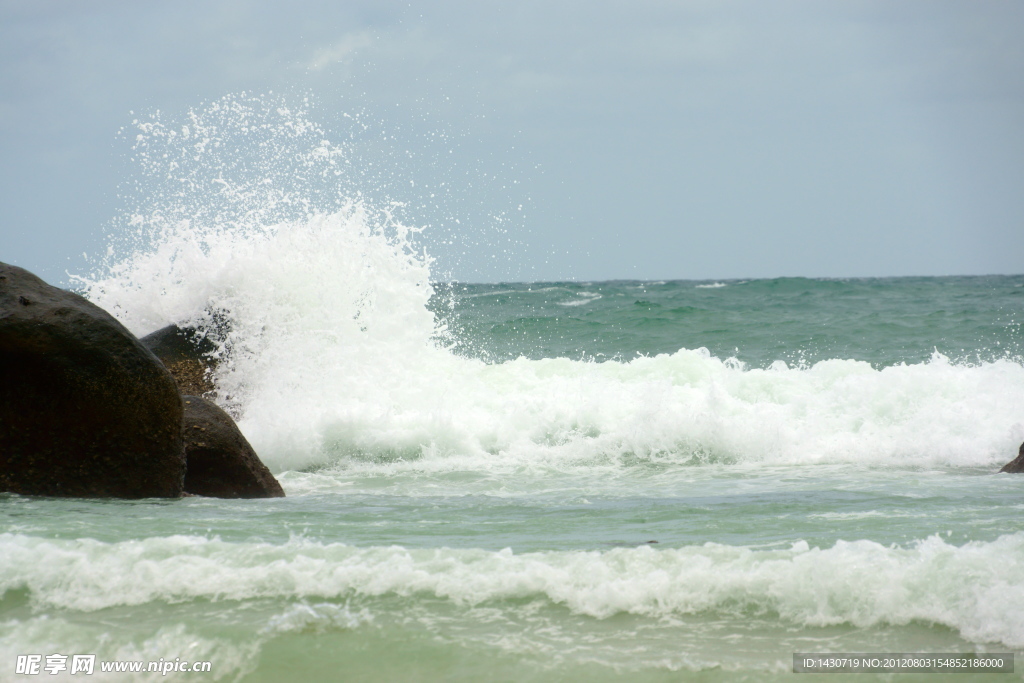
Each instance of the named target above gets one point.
<point>221,463</point>
<point>1017,464</point>
<point>186,354</point>
<point>85,408</point>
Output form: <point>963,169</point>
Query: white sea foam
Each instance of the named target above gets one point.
<point>56,635</point>
<point>585,298</point>
<point>319,617</point>
<point>974,588</point>
<point>331,354</point>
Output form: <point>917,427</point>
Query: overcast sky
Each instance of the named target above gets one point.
<point>646,140</point>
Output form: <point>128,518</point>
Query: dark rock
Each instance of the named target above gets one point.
<point>1017,464</point>
<point>85,409</point>
<point>221,463</point>
<point>187,354</point>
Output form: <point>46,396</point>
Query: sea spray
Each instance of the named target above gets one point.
<point>317,296</point>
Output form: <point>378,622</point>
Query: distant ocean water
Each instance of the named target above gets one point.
<point>549,481</point>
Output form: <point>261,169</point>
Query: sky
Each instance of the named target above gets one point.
<point>581,139</point>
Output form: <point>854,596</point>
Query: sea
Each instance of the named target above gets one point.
<point>679,480</point>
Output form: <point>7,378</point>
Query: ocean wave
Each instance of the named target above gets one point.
<point>329,353</point>
<point>587,297</point>
<point>332,354</point>
<point>974,588</point>
<point>49,634</point>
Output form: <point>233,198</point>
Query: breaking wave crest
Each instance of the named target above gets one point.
<point>260,232</point>
<point>862,583</point>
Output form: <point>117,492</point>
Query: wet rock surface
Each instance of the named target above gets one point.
<point>186,354</point>
<point>221,463</point>
<point>1017,464</point>
<point>85,408</point>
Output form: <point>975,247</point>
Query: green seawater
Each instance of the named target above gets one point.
<point>883,321</point>
<point>611,481</point>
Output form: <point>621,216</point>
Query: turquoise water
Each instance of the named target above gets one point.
<point>883,321</point>
<point>688,552</point>
<point>651,481</point>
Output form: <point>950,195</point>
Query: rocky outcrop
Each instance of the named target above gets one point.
<point>221,463</point>
<point>1017,464</point>
<point>85,408</point>
<point>187,355</point>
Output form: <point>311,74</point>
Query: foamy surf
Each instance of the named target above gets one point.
<point>359,376</point>
<point>332,354</point>
<point>861,583</point>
